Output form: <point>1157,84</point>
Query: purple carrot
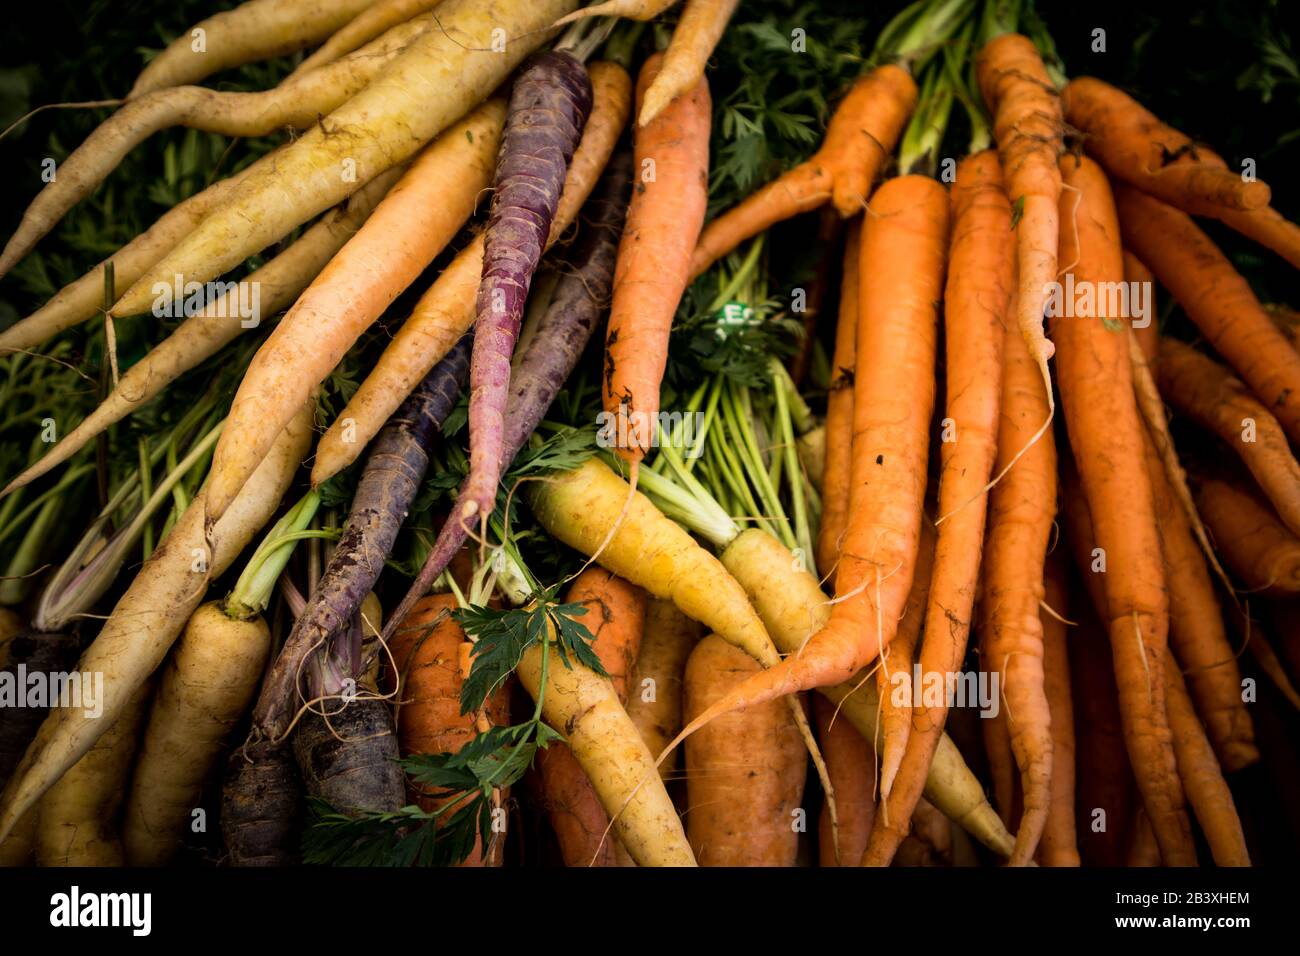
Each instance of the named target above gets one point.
<point>580,299</point>
<point>388,485</point>
<point>548,110</point>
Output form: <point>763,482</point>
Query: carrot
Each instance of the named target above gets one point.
<point>426,655</point>
<point>654,701</point>
<point>579,298</point>
<point>148,618</point>
<point>791,604</point>
<point>1104,783</point>
<point>651,273</point>
<point>839,412</point>
<point>1135,146</point>
<point>549,105</point>
<point>348,756</point>
<point>894,678</point>
<point>440,76</point>
<point>1214,399</point>
<point>207,684</point>
<point>978,294</point>
<point>1143,850</point>
<point>299,104</point>
<point>220,322</point>
<point>902,277</point>
<point>1019,532</point>
<point>851,760</point>
<point>616,760</point>
<point>996,736</point>
<point>629,9</point>
<point>1196,632</point>
<point>384,495</point>
<point>616,617</point>
<point>930,843</point>
<point>1207,791</point>
<point>261,801</point>
<point>1027,125</point>
<point>1268,661</point>
<point>446,310</point>
<point>78,815</point>
<point>698,30</point>
<point>1148,336</point>
<point>1058,846</point>
<point>1106,434</point>
<point>859,139</point>
<point>1217,299</point>
<point>744,772</point>
<point>1269,228</point>
<point>1258,549</point>
<point>256,30</point>
<point>378,17</point>
<point>421,215</point>
<point>83,298</point>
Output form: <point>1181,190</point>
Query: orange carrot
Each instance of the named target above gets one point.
<point>1059,844</point>
<point>1143,851</point>
<point>616,618</point>
<point>839,412</point>
<point>1106,434</point>
<point>979,287</point>
<point>859,139</point>
<point>1262,553</point>
<point>851,761</point>
<point>930,843</point>
<point>902,277</point>
<point>1217,299</point>
<point>698,31</point>
<point>744,772</point>
<point>1135,146</point>
<point>1021,509</point>
<point>427,650</point>
<point>655,694</point>
<point>1207,791</point>
<point>1027,125</point>
<point>1211,396</point>
<point>1196,632</point>
<point>1269,228</point>
<point>894,676</point>
<point>663,222</point>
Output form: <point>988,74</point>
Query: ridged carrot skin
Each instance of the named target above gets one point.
<point>548,109</point>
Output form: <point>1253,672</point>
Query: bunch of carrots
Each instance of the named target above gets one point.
<point>481,496</point>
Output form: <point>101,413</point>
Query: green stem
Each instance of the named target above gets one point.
<point>146,489</point>
<point>770,503</point>
<point>15,588</point>
<point>252,592</point>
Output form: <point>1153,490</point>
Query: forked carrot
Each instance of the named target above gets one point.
<point>1106,435</point>
<point>859,139</point>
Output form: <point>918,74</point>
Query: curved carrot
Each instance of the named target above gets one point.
<point>903,253</point>
<point>1254,544</point>
<point>979,288</point>
<point>698,30</point>
<point>1027,125</point>
<point>859,139</point>
<point>663,221</point>
<point>1269,228</point>
<point>1135,146</point>
<point>446,310</point>
<point>1211,396</point>
<point>839,412</point>
<point>1106,434</point>
<point>1217,299</point>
